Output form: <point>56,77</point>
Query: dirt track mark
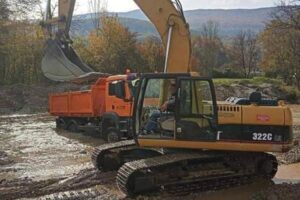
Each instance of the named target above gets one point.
<point>26,188</point>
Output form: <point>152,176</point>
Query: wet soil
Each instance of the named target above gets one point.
<point>36,159</point>
<point>20,98</point>
<point>39,161</point>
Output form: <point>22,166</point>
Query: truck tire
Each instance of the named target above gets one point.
<point>73,126</point>
<point>112,134</point>
<point>61,123</point>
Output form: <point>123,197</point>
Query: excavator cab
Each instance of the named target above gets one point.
<point>190,114</point>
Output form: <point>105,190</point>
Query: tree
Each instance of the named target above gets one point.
<point>20,65</point>
<point>4,10</point>
<point>112,48</point>
<point>208,50</point>
<point>97,7</point>
<point>210,30</point>
<point>152,55</point>
<point>244,53</point>
<point>281,44</point>
<point>19,9</point>
<point>287,16</point>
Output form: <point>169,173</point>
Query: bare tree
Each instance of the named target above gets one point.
<point>287,15</point>
<point>21,8</point>
<point>4,10</point>
<point>97,7</point>
<point>41,10</point>
<point>208,49</point>
<point>210,30</point>
<point>244,52</point>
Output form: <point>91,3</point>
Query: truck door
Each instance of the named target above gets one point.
<point>118,98</point>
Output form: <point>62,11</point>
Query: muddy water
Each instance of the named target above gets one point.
<point>39,151</point>
<point>288,173</point>
<point>236,193</point>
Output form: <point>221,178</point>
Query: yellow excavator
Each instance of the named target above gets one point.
<point>200,144</point>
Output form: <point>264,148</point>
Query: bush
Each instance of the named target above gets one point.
<point>263,79</point>
<point>292,93</point>
<point>257,81</point>
<point>227,74</point>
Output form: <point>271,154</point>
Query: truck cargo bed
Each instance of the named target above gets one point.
<point>88,103</point>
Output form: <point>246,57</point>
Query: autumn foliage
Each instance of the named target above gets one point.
<point>281,45</point>
<point>21,53</point>
<point>113,49</point>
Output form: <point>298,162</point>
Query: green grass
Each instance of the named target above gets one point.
<point>254,81</point>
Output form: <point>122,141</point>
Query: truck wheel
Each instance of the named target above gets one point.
<point>73,126</point>
<point>112,135</point>
<point>60,123</point>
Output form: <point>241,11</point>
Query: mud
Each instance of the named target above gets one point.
<point>20,98</point>
<point>28,188</point>
<point>37,161</point>
<point>289,172</point>
<point>4,160</point>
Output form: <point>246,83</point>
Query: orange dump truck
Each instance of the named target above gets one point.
<point>106,107</point>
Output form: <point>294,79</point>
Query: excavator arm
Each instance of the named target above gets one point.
<point>61,62</point>
<point>64,19</point>
<point>168,18</point>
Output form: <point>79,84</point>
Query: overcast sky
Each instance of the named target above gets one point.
<point>127,5</point>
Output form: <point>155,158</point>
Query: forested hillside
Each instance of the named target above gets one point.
<point>231,22</point>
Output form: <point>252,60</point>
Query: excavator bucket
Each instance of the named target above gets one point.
<point>61,63</point>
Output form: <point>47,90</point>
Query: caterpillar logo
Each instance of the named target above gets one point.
<point>263,118</point>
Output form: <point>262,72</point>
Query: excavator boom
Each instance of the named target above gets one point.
<point>65,12</point>
<point>168,18</point>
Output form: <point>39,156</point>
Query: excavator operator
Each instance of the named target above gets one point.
<point>166,110</point>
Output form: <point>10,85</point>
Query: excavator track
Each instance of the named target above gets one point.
<point>206,185</point>
<point>110,157</point>
<point>182,172</point>
<point>98,155</point>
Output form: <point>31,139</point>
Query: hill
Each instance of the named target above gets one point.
<point>231,21</point>
<point>142,28</point>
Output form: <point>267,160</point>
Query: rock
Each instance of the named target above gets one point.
<point>4,159</point>
<point>83,152</point>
